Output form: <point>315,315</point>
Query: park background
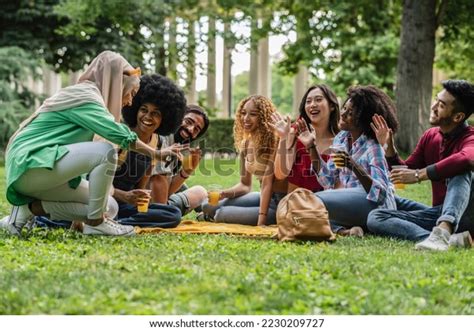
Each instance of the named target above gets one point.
<point>220,52</point>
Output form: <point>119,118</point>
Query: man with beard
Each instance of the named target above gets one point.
<point>168,177</point>
<point>444,155</point>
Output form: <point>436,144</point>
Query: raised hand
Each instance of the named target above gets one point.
<point>283,129</point>
<point>281,125</point>
<point>382,132</point>
<point>306,137</point>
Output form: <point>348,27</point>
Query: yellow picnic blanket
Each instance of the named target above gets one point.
<point>189,226</point>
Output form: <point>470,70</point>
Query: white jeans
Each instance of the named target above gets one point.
<point>89,200</point>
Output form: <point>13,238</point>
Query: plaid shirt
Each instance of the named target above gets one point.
<point>370,155</point>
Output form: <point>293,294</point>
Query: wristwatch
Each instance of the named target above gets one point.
<point>417,176</point>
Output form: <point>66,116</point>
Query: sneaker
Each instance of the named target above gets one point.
<point>20,217</point>
<point>4,222</point>
<point>201,217</point>
<point>461,240</point>
<point>109,228</point>
<point>437,241</point>
<point>356,231</point>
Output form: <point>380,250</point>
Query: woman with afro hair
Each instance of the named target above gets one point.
<point>157,109</point>
<point>356,177</point>
<point>256,142</point>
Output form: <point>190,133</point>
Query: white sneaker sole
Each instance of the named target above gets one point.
<point>420,247</point>
<point>90,231</point>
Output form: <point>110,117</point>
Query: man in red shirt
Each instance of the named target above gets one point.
<point>444,155</point>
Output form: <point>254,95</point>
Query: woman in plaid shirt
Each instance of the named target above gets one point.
<point>356,178</point>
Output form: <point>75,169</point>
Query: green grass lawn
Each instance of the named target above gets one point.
<point>59,272</point>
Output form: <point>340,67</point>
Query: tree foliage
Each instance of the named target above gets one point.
<point>345,43</point>
<point>455,50</point>
<point>16,99</point>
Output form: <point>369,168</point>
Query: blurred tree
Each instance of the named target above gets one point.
<point>415,70</point>
<point>240,89</point>
<point>69,33</point>
<point>282,90</point>
<point>344,43</point>
<point>455,50</point>
<point>422,21</point>
<point>17,101</point>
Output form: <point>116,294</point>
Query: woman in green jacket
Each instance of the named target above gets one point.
<point>53,148</point>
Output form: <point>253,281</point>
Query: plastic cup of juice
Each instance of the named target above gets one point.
<point>399,186</point>
<point>214,193</point>
<point>334,150</point>
<point>142,204</point>
<point>187,161</point>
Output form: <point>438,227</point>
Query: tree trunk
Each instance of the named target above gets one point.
<point>253,74</point>
<point>264,72</point>
<point>172,50</point>
<point>299,88</point>
<point>227,76</point>
<point>191,64</point>
<point>415,70</point>
<point>160,57</point>
<point>211,64</point>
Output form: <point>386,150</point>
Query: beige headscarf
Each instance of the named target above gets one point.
<point>106,80</point>
<point>103,71</point>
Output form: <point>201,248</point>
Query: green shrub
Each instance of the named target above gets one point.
<point>219,137</point>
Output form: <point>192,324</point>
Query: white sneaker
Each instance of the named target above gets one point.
<point>356,231</point>
<point>19,217</point>
<point>461,240</point>
<point>4,222</point>
<point>437,241</point>
<point>109,228</point>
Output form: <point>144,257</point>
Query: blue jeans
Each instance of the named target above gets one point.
<point>416,225</point>
<point>44,222</point>
<point>409,205</point>
<point>243,209</point>
<point>347,207</point>
<point>158,215</point>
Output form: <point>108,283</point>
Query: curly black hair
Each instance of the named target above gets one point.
<point>333,104</point>
<point>463,92</point>
<point>163,93</point>
<point>368,101</point>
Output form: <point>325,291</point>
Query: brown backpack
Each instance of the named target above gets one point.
<point>302,216</point>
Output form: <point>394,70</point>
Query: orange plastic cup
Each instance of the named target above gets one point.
<point>142,205</point>
<point>336,160</point>
<point>187,162</point>
<point>214,198</point>
<point>399,186</point>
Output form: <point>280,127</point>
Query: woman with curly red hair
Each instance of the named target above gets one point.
<point>256,143</point>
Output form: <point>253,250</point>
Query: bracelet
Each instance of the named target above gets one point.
<point>417,176</point>
<point>183,176</point>
<point>262,214</point>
